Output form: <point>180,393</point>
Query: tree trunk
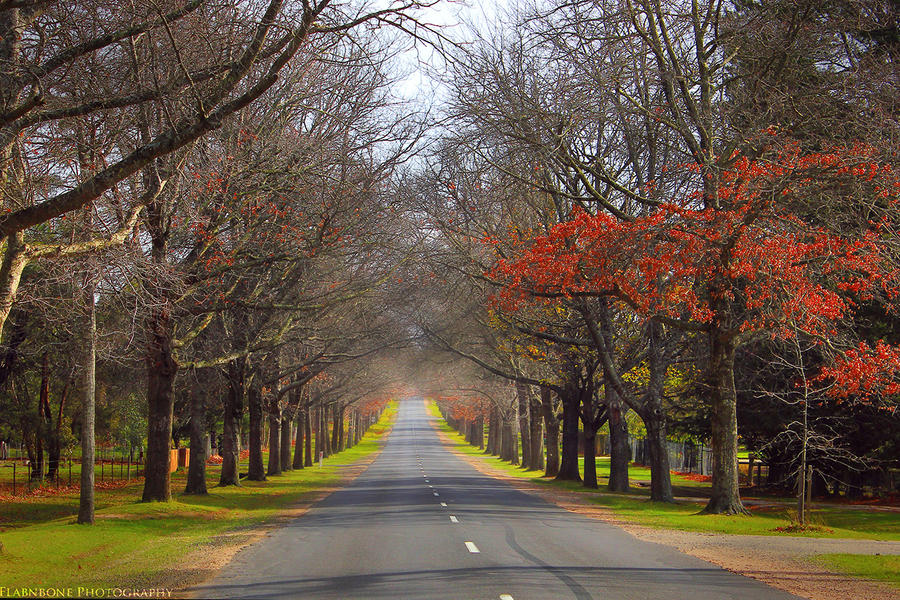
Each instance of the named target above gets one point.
<point>298,441</point>
<point>287,423</point>
<point>46,418</point>
<point>654,418</point>
<point>660,474</point>
<point>338,429</point>
<point>54,446</point>
<point>551,426</point>
<point>506,441</point>
<point>326,438</point>
<point>592,420</point>
<point>522,399</point>
<point>590,458</point>
<point>307,425</point>
<point>318,434</point>
<point>275,425</point>
<point>536,435</point>
<point>568,468</point>
<point>256,471</point>
<point>161,371</point>
<point>196,477</point>
<point>88,389</point>
<point>514,442</point>
<point>493,443</point>
<point>11,268</point>
<point>619,451</point>
<point>36,455</point>
<point>725,498</point>
<point>231,422</point>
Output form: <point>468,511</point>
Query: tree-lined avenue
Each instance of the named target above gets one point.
<point>387,535</point>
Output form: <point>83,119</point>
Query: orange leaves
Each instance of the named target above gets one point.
<point>748,258</point>
<point>866,371</point>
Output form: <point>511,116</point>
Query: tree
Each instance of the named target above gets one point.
<point>197,85</point>
<point>732,273</point>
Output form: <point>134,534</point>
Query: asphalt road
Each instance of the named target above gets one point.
<point>421,523</point>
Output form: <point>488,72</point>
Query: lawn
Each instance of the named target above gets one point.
<point>879,567</point>
<point>136,544</point>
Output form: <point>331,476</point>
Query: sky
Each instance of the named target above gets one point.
<point>456,18</point>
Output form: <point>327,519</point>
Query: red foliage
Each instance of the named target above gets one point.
<point>466,408</point>
<point>747,262</point>
<point>693,476</point>
<point>49,489</point>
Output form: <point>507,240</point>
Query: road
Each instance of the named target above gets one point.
<point>422,523</point>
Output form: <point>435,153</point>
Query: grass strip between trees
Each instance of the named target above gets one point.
<point>836,521</point>
<point>164,544</point>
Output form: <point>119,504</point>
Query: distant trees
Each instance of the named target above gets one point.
<point>232,161</point>
<point>666,181</point>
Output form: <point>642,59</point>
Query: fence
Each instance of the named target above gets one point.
<point>16,473</point>
<point>685,457</point>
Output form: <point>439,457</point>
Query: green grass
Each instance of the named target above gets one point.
<point>141,544</point>
<point>833,522</point>
<point>635,472</point>
<point>881,568</point>
<point>836,521</point>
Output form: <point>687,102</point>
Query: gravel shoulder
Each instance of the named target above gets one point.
<point>784,562</point>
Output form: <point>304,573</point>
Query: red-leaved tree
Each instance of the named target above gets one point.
<point>764,256</point>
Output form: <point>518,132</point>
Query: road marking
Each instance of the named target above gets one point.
<point>444,504</point>
<point>505,597</point>
<point>472,548</point>
<point>436,494</point>
<point>453,519</point>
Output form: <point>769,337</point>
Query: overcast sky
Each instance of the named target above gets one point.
<point>456,19</point>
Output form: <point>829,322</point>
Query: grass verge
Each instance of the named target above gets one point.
<point>835,521</point>
<point>875,567</point>
<point>164,544</point>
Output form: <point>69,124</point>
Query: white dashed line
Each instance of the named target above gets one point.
<point>472,548</point>
<point>453,519</point>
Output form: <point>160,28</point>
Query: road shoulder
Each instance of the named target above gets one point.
<point>786,563</point>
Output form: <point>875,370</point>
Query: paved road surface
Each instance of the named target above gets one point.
<point>421,523</point>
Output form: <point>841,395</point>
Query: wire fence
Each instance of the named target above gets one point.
<point>18,476</point>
